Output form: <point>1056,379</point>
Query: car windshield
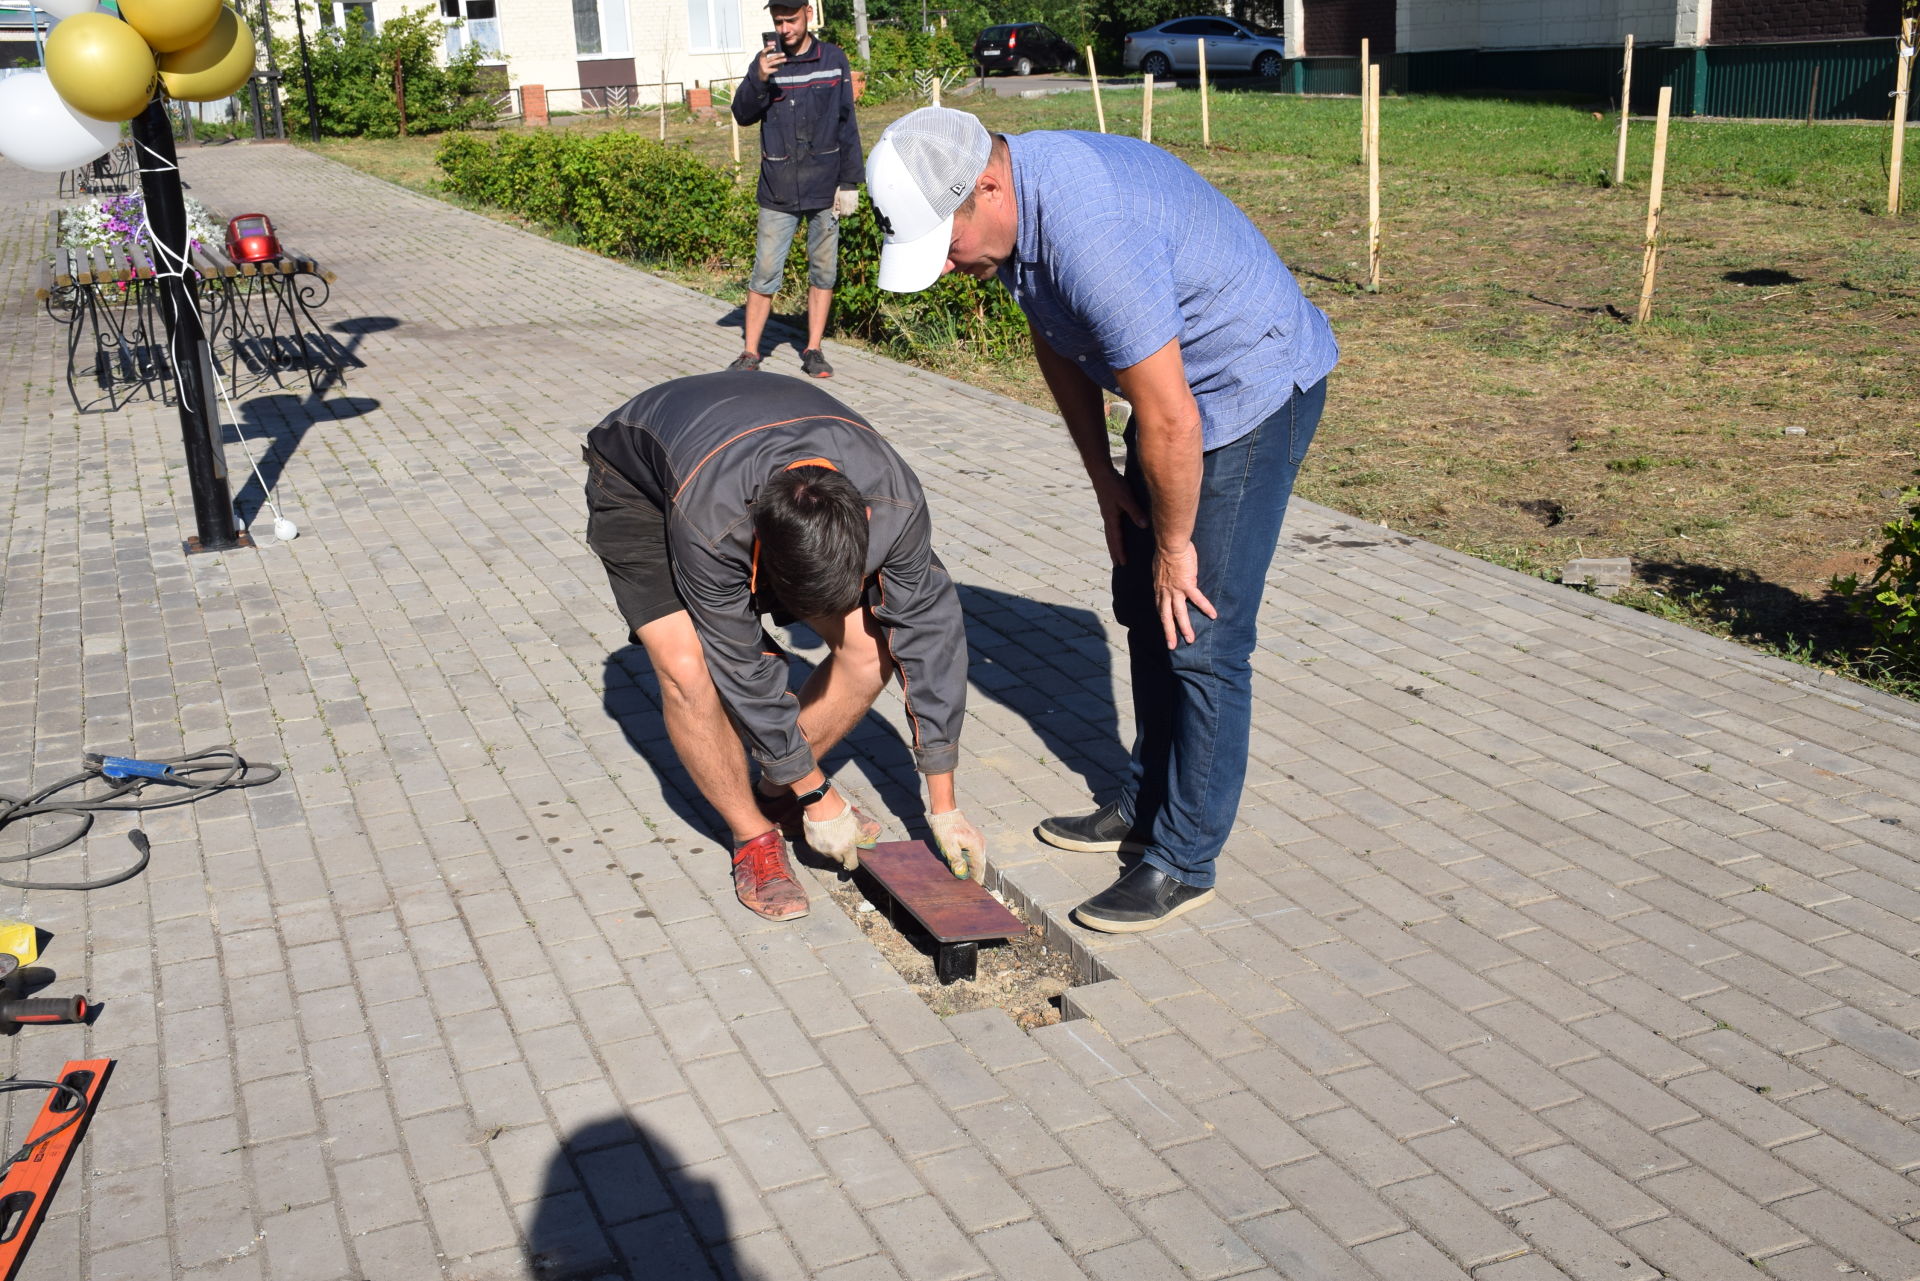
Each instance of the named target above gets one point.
<point>995,33</point>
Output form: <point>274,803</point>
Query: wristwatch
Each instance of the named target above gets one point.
<point>818,794</point>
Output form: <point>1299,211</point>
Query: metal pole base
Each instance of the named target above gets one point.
<point>242,538</point>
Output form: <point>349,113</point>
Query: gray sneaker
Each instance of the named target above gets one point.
<point>1101,832</point>
<point>745,362</point>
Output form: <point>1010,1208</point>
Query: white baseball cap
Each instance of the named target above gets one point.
<point>922,169</point>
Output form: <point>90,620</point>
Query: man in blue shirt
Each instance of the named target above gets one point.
<point>1137,277</point>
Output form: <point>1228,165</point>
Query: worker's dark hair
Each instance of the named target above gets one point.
<point>812,526</point>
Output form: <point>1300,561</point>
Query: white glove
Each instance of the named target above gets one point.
<point>846,202</point>
<point>838,838</point>
<point>961,844</point>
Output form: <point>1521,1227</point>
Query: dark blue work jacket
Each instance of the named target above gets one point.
<point>809,139</point>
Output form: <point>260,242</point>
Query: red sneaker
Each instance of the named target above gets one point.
<point>763,880</point>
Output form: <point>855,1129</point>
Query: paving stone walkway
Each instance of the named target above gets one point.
<point>1556,942</point>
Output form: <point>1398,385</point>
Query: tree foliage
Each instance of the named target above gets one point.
<point>353,77</point>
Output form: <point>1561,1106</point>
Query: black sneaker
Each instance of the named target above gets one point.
<point>1142,898</point>
<point>813,363</point>
<point>1101,832</point>
<point>745,362</point>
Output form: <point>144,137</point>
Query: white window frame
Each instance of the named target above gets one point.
<point>459,37</point>
<point>612,13</point>
<point>710,22</point>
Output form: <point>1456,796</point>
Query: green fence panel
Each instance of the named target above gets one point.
<point>1775,81</point>
<point>1769,81</point>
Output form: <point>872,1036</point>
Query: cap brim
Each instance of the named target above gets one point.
<point>908,266</point>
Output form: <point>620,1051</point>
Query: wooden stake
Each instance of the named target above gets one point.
<point>1206,119</point>
<point>663,95</point>
<point>1093,77</point>
<point>1813,93</point>
<point>1626,110</point>
<point>1651,259</point>
<point>736,130</point>
<point>1146,111</point>
<point>1902,91</point>
<point>1366,102</point>
<point>933,90</point>
<point>1373,179</point>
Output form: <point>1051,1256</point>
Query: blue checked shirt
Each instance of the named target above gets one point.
<point>1122,247</point>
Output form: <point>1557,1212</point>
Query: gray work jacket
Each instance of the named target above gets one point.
<point>700,448</point>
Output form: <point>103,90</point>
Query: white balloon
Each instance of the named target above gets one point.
<point>59,9</point>
<point>38,130</point>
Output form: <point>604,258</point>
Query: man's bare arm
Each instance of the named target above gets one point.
<point>1082,404</point>
<point>1169,440</point>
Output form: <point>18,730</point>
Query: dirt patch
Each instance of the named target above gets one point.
<point>1022,976</point>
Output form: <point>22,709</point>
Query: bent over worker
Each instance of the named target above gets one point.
<point>715,499</point>
<point>1137,276</point>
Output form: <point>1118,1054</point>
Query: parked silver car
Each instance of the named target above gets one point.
<point>1231,46</point>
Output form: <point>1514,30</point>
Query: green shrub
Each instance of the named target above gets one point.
<point>628,196</point>
<point>353,78</point>
<point>1889,600</point>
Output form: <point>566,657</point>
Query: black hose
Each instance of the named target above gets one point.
<point>195,775</point>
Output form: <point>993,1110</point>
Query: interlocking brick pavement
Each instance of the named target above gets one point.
<point>1555,942</point>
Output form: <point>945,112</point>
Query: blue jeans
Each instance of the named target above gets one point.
<point>1193,705</point>
<point>773,237</point>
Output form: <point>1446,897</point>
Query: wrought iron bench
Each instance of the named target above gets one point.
<point>258,317</point>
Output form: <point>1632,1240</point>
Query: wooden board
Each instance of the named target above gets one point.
<point>950,909</point>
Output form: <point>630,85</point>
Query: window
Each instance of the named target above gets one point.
<point>1189,27</point>
<point>713,26</point>
<point>482,28</point>
<point>338,13</point>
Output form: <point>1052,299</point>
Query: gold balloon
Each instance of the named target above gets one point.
<point>214,68</point>
<point>168,25</point>
<point>101,66</point>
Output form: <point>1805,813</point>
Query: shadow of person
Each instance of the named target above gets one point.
<point>1052,666</point>
<point>630,695</point>
<point>617,1200</point>
<point>273,427</point>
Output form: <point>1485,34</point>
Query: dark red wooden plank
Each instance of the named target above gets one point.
<point>950,909</point>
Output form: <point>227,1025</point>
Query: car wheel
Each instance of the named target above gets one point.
<point>1157,65</point>
<point>1071,66</point>
<point>1267,66</point>
<point>1022,66</point>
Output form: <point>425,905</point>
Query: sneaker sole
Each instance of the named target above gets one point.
<point>1089,847</point>
<point>1105,926</point>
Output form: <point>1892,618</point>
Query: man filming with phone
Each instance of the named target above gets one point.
<point>800,91</point>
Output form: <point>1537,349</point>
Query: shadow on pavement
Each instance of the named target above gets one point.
<point>630,695</point>
<point>1052,666</point>
<point>617,1202</point>
<point>1048,664</point>
<point>274,427</point>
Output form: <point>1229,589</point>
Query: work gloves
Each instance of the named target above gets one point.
<point>846,202</point>
<point>839,838</point>
<point>960,844</point>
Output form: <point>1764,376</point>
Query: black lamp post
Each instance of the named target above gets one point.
<point>186,333</point>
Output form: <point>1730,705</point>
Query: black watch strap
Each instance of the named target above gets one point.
<point>814,797</point>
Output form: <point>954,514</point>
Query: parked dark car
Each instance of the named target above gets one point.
<point>1231,46</point>
<point>1023,48</point>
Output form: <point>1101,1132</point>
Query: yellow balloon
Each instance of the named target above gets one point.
<point>101,66</point>
<point>168,25</point>
<point>214,68</point>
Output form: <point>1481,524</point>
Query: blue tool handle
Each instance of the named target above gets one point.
<point>129,767</point>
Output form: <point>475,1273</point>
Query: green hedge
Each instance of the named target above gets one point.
<point>629,196</point>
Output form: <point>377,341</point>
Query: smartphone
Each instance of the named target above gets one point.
<point>770,40</point>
